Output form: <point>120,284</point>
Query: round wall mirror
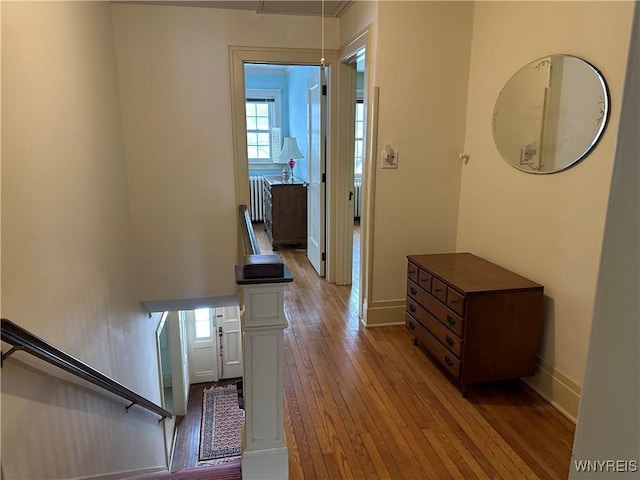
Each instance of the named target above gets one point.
<point>550,114</point>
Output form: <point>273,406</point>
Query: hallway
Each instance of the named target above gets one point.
<point>365,403</point>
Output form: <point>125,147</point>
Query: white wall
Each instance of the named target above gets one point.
<point>609,421</point>
<point>546,227</point>
<point>422,52</point>
<point>359,15</point>
<point>174,79</point>
<point>67,257</point>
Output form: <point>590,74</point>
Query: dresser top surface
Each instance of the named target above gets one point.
<point>469,273</point>
<point>278,180</point>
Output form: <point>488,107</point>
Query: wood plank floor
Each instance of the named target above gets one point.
<point>367,404</point>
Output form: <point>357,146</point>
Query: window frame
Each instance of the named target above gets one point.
<point>358,175</point>
<point>274,98</point>
<point>197,319</point>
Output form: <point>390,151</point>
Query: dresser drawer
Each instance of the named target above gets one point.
<point>480,321</point>
<point>437,329</point>
<point>424,280</point>
<point>455,301</point>
<point>437,350</point>
<point>439,290</point>
<point>447,317</point>
<point>412,272</point>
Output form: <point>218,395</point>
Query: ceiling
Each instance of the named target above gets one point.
<point>282,7</point>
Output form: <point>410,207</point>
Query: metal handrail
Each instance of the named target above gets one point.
<point>22,339</point>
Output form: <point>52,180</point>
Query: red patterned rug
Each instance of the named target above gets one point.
<point>222,420</point>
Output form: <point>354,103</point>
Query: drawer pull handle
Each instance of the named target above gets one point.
<point>412,308</point>
<point>450,341</point>
<point>448,361</point>
<point>454,301</point>
<point>437,290</point>
<point>451,320</point>
<point>412,326</point>
<point>413,291</point>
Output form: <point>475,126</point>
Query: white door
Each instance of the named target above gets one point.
<point>316,189</point>
<point>229,342</point>
<point>201,341</point>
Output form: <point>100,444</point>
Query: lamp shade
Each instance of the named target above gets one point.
<point>290,149</point>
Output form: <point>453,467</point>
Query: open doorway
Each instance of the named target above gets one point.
<point>339,145</point>
<point>214,343</point>
<point>285,131</point>
<point>326,178</point>
<point>197,349</point>
<point>357,62</point>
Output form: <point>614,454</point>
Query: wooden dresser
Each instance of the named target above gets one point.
<point>479,321</point>
<point>285,211</point>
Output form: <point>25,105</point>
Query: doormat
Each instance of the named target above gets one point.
<point>221,423</point>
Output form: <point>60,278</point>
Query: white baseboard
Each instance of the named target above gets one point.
<point>267,464</point>
<point>136,474</point>
<point>384,314</point>
<point>556,388</point>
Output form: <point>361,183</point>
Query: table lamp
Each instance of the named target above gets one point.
<point>289,154</point>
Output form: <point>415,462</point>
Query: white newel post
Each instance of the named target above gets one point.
<point>264,450</point>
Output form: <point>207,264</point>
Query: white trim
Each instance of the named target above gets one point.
<point>238,56</point>
<point>136,474</point>
<point>154,306</point>
<point>276,123</point>
<point>167,423</point>
<point>340,271</point>
<point>385,313</point>
<point>267,464</point>
<point>556,388</point>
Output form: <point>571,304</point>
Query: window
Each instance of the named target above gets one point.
<point>359,148</point>
<point>263,125</point>
<point>203,323</point>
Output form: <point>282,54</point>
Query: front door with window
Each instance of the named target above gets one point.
<point>229,342</point>
<point>202,346</point>
<point>214,344</point>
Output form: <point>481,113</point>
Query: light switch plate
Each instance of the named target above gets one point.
<point>389,158</point>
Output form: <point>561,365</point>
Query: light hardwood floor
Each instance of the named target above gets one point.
<point>365,403</point>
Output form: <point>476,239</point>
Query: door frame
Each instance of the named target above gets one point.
<point>347,55</point>
<point>238,56</point>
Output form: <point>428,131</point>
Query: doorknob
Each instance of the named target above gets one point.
<point>350,195</point>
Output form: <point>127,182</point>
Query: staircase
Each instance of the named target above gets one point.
<point>226,471</point>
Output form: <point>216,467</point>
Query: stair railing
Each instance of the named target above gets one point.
<point>24,340</point>
<point>250,241</point>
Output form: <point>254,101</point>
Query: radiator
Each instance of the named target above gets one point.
<point>357,199</point>
<point>256,200</point>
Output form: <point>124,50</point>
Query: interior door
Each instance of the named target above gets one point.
<point>229,342</point>
<point>316,108</point>
<point>201,341</point>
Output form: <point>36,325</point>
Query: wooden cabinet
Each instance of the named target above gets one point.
<point>479,321</point>
<point>285,215</point>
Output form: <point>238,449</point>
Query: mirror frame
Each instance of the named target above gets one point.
<point>604,120</point>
